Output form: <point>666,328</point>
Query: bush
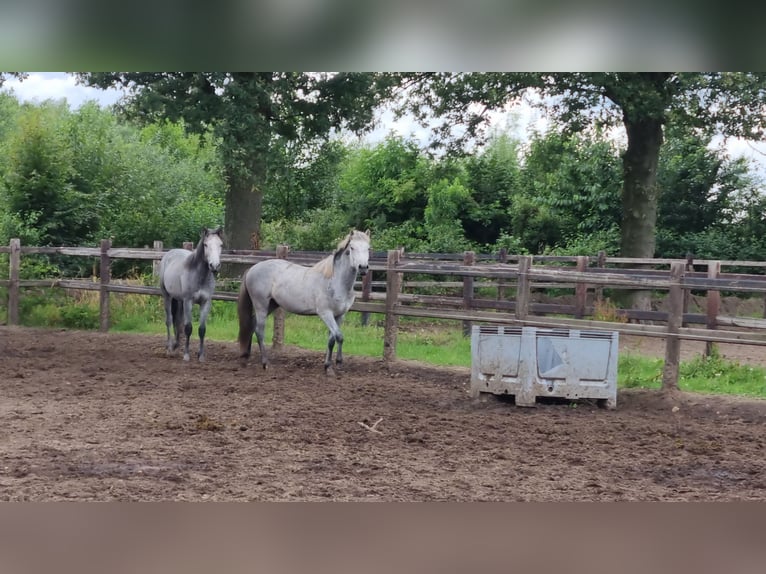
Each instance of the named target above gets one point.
<point>80,316</point>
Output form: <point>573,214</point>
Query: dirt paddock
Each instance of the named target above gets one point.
<point>91,416</point>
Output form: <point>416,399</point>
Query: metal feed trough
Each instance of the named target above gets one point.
<point>530,362</point>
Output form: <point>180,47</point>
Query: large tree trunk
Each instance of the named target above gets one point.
<point>244,207</point>
<point>242,225</point>
<point>639,194</point>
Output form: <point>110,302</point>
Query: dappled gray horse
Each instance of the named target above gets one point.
<point>188,277</point>
<point>326,290</point>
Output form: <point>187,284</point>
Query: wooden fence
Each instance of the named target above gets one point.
<point>486,288</point>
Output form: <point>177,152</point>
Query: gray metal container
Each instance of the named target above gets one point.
<point>529,362</point>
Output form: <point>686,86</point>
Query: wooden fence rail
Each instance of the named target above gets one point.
<point>466,274</point>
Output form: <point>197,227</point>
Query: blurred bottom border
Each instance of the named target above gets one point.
<point>382,537</point>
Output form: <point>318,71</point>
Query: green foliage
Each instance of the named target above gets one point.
<point>493,177</point>
<point>37,180</point>
<point>253,115</point>
<point>576,179</point>
<point>72,178</point>
<point>80,316</point>
<point>318,230</point>
<point>447,200</point>
<point>512,244</point>
<point>590,244</point>
<point>304,178</point>
<point>384,185</point>
<point>411,235</point>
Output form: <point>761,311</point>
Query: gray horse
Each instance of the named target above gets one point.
<point>326,290</point>
<point>188,277</point>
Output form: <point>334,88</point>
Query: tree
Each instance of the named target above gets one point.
<point>730,103</point>
<point>576,178</point>
<point>733,104</point>
<point>384,185</point>
<point>253,114</point>
<point>37,179</point>
<point>493,177</point>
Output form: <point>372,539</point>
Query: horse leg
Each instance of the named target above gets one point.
<point>203,312</point>
<point>260,329</point>
<point>169,320</point>
<point>178,321</point>
<point>339,340</point>
<point>187,326</point>
<point>335,336</point>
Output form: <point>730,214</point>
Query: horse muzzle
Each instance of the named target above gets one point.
<point>214,269</point>
<point>363,270</point>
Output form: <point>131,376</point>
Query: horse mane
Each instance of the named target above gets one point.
<point>198,254</point>
<point>325,266</point>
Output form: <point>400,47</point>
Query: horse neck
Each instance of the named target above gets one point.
<point>343,276</point>
<point>197,260</point>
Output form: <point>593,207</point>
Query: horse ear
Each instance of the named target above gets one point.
<point>367,232</point>
<point>204,232</point>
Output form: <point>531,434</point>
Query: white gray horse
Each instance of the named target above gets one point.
<point>188,277</point>
<point>326,290</point>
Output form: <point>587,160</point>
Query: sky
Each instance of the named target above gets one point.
<point>40,86</point>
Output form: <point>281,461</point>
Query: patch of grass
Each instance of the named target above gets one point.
<point>634,371</point>
<point>717,375</point>
<point>700,375</point>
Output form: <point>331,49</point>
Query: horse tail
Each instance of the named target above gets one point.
<point>245,313</point>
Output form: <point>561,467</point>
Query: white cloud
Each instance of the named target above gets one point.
<point>41,86</point>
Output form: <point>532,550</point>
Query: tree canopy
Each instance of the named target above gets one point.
<point>644,103</point>
<point>254,114</point>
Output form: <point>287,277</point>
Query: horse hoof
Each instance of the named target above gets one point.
<point>186,358</point>
<point>201,359</point>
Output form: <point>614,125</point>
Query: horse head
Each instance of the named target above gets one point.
<point>212,242</point>
<point>357,248</point>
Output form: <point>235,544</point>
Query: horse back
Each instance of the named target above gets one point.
<point>289,285</point>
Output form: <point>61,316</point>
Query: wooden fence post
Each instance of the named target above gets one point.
<point>522,288</point>
<point>581,289</point>
<point>675,317</point>
<point>188,245</point>
<point>687,292</point>
<point>600,263</point>
<point>713,300</point>
<point>366,291</point>
<point>502,258</point>
<point>158,245</point>
<point>13,284</point>
<point>393,286</point>
<point>105,272</point>
<point>278,339</point>
<point>469,258</point>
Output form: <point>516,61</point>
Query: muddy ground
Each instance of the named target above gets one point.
<point>91,416</point>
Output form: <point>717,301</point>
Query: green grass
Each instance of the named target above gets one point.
<point>700,375</point>
<point>438,342</point>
